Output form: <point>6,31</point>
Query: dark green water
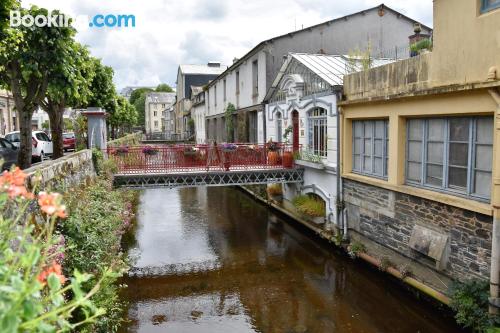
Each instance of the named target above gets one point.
<point>214,260</point>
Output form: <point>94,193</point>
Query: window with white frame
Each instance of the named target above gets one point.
<point>279,127</point>
<point>370,147</point>
<point>451,154</point>
<point>317,120</point>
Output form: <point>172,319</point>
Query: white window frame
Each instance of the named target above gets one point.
<point>321,123</point>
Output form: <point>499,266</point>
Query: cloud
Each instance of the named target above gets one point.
<point>173,32</point>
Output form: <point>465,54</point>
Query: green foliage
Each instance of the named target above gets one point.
<point>46,125</point>
<point>102,88</point>
<point>106,212</point>
<point>140,107</point>
<point>30,57</point>
<point>138,93</point>
<point>424,44</point>
<point>470,302</point>
<point>68,125</point>
<point>124,114</point>
<point>307,155</point>
<point>355,248</point>
<point>228,115</point>
<point>287,132</point>
<point>81,132</point>
<point>360,58</point>
<point>35,296</point>
<point>310,205</point>
<point>163,87</point>
<point>190,123</point>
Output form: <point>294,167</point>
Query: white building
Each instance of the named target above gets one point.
<point>156,103</point>
<point>198,115</point>
<point>304,96</point>
<point>381,31</point>
<point>9,121</point>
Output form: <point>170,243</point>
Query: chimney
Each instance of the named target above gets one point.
<point>235,60</point>
<point>416,37</point>
<point>213,64</point>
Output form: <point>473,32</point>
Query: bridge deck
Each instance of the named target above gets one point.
<point>209,178</point>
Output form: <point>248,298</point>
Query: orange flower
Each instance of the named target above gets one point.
<point>50,204</point>
<point>54,268</point>
<point>13,183</point>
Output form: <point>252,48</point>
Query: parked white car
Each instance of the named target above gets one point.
<point>41,144</point>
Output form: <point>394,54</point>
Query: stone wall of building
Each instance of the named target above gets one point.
<point>64,173</point>
<point>390,218</point>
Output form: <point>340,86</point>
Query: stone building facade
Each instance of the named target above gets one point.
<point>389,218</point>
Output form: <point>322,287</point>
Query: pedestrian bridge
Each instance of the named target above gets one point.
<point>185,165</point>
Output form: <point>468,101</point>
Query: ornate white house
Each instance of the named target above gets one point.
<point>301,109</point>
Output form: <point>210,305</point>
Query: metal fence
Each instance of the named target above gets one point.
<point>187,157</point>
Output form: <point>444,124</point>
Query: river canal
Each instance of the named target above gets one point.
<point>214,260</point>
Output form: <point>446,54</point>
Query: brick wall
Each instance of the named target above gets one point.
<point>388,218</point>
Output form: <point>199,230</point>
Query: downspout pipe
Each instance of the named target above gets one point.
<point>494,299</point>
<point>341,221</point>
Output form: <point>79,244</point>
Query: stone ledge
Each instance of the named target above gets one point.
<point>312,165</point>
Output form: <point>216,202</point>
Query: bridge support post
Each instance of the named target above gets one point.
<point>96,128</point>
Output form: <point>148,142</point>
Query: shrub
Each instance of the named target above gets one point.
<point>355,248</point>
<point>35,294</point>
<point>309,205</point>
<point>470,302</point>
<point>93,234</point>
<point>275,189</point>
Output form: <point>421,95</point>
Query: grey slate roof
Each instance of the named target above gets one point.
<point>160,97</point>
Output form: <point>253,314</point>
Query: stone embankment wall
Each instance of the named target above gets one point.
<point>392,219</point>
<point>66,172</point>
<point>130,139</point>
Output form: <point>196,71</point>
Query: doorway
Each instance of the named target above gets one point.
<point>295,132</point>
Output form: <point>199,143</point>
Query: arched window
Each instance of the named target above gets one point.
<point>317,131</point>
<point>279,127</point>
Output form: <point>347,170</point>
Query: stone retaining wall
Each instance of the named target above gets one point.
<point>389,218</point>
<point>69,171</point>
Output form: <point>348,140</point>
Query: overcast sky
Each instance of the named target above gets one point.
<point>171,32</point>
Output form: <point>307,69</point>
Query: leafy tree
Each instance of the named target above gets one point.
<point>102,88</point>
<point>123,115</point>
<point>163,87</point>
<point>140,106</point>
<point>138,93</point>
<point>68,124</point>
<point>46,125</point>
<point>69,86</point>
<point>29,57</point>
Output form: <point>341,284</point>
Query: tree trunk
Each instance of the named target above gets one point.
<point>25,148</point>
<point>56,130</point>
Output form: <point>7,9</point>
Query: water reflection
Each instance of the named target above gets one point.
<point>213,260</point>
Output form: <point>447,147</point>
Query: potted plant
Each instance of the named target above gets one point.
<point>273,157</point>
<point>229,147</point>
<point>275,191</point>
<point>148,150</point>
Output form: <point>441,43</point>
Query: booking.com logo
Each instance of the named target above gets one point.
<point>80,21</point>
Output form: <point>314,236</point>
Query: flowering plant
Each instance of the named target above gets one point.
<point>273,146</point>
<point>229,146</point>
<point>148,150</point>
<point>36,296</point>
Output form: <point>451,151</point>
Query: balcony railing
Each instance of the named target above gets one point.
<point>198,158</point>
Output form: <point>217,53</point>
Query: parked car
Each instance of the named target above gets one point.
<point>14,138</point>
<point>8,152</point>
<point>68,141</point>
<point>41,143</point>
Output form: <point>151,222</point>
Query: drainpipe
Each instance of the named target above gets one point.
<point>341,221</point>
<point>494,299</point>
<point>264,111</point>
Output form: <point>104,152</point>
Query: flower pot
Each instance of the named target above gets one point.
<point>288,160</point>
<point>273,158</point>
<point>151,152</point>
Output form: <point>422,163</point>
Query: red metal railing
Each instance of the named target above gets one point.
<point>186,158</point>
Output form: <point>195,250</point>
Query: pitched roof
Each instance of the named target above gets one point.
<point>261,44</point>
<point>330,68</point>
